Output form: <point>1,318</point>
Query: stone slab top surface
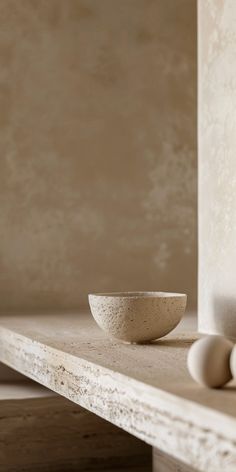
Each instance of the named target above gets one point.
<point>144,389</point>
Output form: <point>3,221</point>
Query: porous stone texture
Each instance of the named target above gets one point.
<point>98,149</point>
<point>144,389</point>
<point>44,432</point>
<point>138,316</point>
<point>217,167</point>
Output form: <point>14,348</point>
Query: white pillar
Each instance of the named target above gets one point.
<point>217,166</point>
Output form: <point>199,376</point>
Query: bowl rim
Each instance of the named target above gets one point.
<point>139,294</point>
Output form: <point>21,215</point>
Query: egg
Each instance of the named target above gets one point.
<point>209,361</point>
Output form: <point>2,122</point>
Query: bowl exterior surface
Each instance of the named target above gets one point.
<point>137,319</point>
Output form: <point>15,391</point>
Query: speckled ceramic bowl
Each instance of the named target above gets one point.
<point>137,317</point>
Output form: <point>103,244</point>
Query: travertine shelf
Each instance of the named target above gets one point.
<point>42,431</point>
<point>144,389</point>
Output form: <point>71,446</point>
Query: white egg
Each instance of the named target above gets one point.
<point>209,361</point>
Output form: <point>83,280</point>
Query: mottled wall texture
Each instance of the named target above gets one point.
<point>217,166</point>
<point>98,149</point>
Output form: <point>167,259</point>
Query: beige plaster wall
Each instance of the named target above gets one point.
<point>217,166</point>
<point>97,149</point>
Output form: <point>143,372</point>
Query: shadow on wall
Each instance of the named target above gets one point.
<point>224,315</point>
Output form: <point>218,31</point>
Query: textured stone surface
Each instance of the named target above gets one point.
<point>98,152</point>
<point>43,432</point>
<point>145,389</point>
<point>137,316</point>
<point>217,166</point>
<point>165,463</point>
